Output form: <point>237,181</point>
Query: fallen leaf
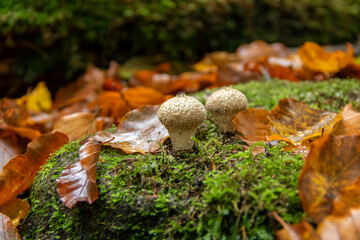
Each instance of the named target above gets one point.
<point>253,124</point>
<point>338,228</point>
<point>112,104</point>
<point>351,70</point>
<point>296,122</point>
<point>20,171</point>
<point>332,164</point>
<point>76,125</point>
<point>7,229</point>
<point>139,131</point>
<point>349,124</point>
<point>315,58</point>
<point>348,198</point>
<point>300,231</point>
<point>140,96</point>
<point>260,49</point>
<point>9,146</point>
<point>77,182</point>
<point>37,100</point>
<point>16,209</point>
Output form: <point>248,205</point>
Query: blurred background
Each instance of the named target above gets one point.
<point>54,40</point>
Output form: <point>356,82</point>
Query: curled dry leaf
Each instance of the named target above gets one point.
<point>112,104</point>
<point>16,209</point>
<point>338,228</point>
<point>332,164</point>
<point>20,171</point>
<point>315,58</point>
<point>260,49</point>
<point>76,125</point>
<point>301,231</point>
<point>77,182</point>
<point>9,146</point>
<point>139,131</point>
<point>7,229</point>
<point>349,124</point>
<point>140,96</point>
<point>296,122</point>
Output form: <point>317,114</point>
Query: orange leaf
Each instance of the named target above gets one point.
<point>348,198</point>
<point>9,147</point>
<point>345,227</point>
<point>260,49</point>
<point>300,231</point>
<point>7,229</point>
<point>349,124</point>
<point>332,164</point>
<point>315,58</point>
<point>16,209</point>
<point>296,122</point>
<point>112,104</point>
<point>76,125</point>
<point>77,182</point>
<point>139,131</point>
<point>20,171</point>
<point>351,70</point>
<point>140,96</point>
<point>253,124</point>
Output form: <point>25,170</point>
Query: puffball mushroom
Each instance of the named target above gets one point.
<point>181,115</point>
<point>223,105</point>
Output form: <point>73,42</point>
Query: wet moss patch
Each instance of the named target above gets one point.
<point>218,191</point>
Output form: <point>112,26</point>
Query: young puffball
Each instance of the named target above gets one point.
<point>223,105</point>
<point>181,115</point>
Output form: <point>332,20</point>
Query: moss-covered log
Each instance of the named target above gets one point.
<point>219,191</point>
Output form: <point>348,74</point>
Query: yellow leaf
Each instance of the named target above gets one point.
<point>315,58</point>
<point>37,100</point>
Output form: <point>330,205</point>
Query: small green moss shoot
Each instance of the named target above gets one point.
<point>218,191</point>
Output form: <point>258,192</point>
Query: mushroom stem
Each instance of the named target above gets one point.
<point>182,141</point>
<point>224,122</point>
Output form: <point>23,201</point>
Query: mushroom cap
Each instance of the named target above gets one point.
<point>226,101</point>
<point>182,112</point>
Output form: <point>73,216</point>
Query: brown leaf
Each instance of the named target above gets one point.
<point>351,70</point>
<point>332,164</point>
<point>315,58</point>
<point>349,124</point>
<point>337,228</point>
<point>16,209</point>
<point>140,96</point>
<point>76,125</point>
<point>253,124</point>
<point>77,182</point>
<point>300,231</point>
<point>139,131</point>
<point>348,198</point>
<point>112,104</point>
<point>20,171</point>
<point>296,122</point>
<point>9,146</point>
<point>259,49</point>
<point>7,229</point>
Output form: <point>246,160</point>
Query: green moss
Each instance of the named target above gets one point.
<point>218,191</point>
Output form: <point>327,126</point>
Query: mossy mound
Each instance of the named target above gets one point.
<point>219,191</point>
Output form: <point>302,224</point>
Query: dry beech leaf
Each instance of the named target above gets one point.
<point>253,124</point>
<point>348,198</point>
<point>140,96</point>
<point>259,49</point>
<point>349,124</point>
<point>20,171</point>
<point>76,125</point>
<point>296,122</point>
<point>16,209</point>
<point>340,228</point>
<point>351,70</point>
<point>332,164</point>
<point>300,231</point>
<point>7,229</point>
<point>112,104</point>
<point>37,100</point>
<point>85,89</point>
<point>77,182</point>
<point>9,146</point>
<point>315,58</point>
<point>139,131</point>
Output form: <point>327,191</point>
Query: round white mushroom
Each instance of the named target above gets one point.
<point>181,115</point>
<point>223,105</point>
